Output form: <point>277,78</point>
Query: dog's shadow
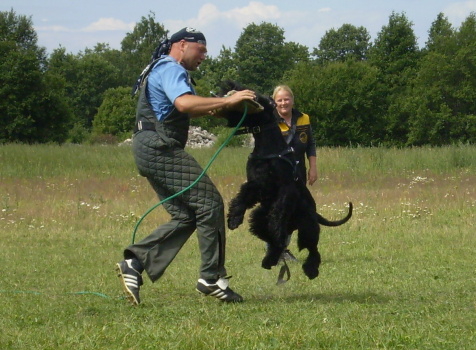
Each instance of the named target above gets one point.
<point>363,298</point>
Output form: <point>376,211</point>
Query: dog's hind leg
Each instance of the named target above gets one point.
<point>246,198</point>
<point>272,256</point>
<point>311,265</point>
<point>278,224</point>
<point>282,213</point>
<point>259,226</point>
<point>308,238</point>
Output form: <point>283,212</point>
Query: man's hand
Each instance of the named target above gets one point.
<point>236,101</point>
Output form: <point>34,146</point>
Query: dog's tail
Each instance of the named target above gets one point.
<point>325,222</point>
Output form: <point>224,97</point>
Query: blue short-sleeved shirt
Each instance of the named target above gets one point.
<point>167,81</point>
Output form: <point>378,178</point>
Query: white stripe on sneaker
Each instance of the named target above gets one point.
<point>131,281</point>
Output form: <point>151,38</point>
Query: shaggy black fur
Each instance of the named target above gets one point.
<point>285,203</point>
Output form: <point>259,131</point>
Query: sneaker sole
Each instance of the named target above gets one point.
<point>208,293</point>
<point>217,298</point>
<point>129,295</point>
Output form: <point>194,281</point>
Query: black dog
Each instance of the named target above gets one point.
<point>285,203</point>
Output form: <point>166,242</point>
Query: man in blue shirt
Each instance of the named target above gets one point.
<point>166,103</point>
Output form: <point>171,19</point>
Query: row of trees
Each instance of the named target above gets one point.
<point>388,91</point>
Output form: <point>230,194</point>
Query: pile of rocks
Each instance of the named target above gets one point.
<point>199,138</point>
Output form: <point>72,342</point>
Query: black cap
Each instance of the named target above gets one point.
<point>188,34</point>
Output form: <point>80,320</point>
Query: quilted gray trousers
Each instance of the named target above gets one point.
<point>169,170</point>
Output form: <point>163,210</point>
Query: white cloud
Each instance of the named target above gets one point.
<point>208,13</point>
<point>254,12</point>
<point>459,11</point>
<point>239,17</point>
<point>108,24</point>
<point>223,27</point>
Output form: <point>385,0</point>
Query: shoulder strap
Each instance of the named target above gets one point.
<point>144,75</point>
<point>162,49</point>
<point>291,133</point>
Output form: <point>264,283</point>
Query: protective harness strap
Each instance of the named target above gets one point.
<point>253,129</point>
<point>282,156</point>
<point>284,271</point>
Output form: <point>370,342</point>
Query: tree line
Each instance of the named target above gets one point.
<point>358,92</point>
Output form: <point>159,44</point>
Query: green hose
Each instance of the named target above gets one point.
<point>148,211</point>
<point>199,177</point>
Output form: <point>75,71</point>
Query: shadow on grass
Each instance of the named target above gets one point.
<point>365,298</point>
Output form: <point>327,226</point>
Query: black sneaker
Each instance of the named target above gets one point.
<point>131,280</point>
<point>218,289</point>
<point>288,256</point>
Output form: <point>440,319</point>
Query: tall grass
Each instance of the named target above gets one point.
<point>399,275</point>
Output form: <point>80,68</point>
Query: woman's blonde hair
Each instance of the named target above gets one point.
<point>282,87</point>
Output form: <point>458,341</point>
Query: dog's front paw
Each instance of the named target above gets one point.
<point>234,222</point>
<point>269,261</point>
<point>265,264</point>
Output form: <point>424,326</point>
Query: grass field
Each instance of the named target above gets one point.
<point>400,275</point>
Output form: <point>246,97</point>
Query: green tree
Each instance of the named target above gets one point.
<point>138,46</point>
<point>213,71</point>
<point>347,42</point>
<point>465,68</point>
<point>395,53</point>
<point>440,34</point>
<point>262,56</point>
<point>395,49</point>
<point>32,108</point>
<point>87,76</point>
<point>116,59</point>
<point>442,101</point>
<point>95,76</point>
<point>116,115</point>
<point>342,99</point>
<point>295,53</point>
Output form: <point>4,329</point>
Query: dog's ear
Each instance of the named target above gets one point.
<point>267,102</point>
<point>271,102</point>
<point>224,87</point>
<point>229,85</point>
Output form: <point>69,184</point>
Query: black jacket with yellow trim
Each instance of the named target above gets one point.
<point>299,136</point>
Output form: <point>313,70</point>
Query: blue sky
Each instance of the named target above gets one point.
<point>76,25</point>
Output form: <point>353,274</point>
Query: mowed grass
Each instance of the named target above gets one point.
<point>400,275</point>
